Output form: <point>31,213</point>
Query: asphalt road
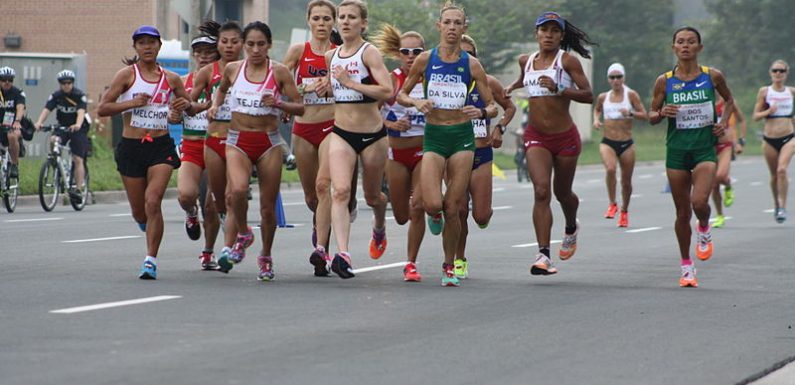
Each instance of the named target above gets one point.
<point>613,315</point>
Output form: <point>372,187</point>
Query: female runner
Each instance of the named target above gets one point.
<point>619,105</point>
<point>774,104</point>
<point>255,86</point>
<point>145,157</point>
<point>448,74</point>
<point>553,78</point>
<point>686,96</point>
<point>727,147</point>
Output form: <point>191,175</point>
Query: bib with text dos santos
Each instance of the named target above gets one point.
<point>692,127</point>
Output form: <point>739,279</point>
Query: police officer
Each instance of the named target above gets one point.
<point>70,105</point>
<point>12,109</point>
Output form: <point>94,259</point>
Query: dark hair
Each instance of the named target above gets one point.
<point>259,26</point>
<point>231,25</point>
<point>335,37</point>
<point>687,28</point>
<point>213,28</point>
<point>573,39</point>
<point>133,60</point>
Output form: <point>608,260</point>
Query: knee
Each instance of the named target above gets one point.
<point>611,170</point>
<point>541,194</point>
<point>432,207</point>
<point>416,214</point>
<point>13,134</point>
<point>342,194</point>
<point>781,172</point>
<point>152,204</point>
<point>700,204</point>
<point>236,194</point>
<point>267,213</point>
<point>452,208</point>
<point>322,187</point>
<point>374,199</point>
<point>562,196</point>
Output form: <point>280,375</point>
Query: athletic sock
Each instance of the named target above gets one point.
<point>571,229</point>
<point>703,229</point>
<point>544,250</point>
<point>150,258</point>
<point>687,262</point>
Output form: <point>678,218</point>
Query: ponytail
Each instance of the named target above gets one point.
<point>387,39</point>
<point>573,39</point>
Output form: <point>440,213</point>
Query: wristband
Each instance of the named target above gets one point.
<point>501,128</point>
<point>741,141</point>
<point>483,113</point>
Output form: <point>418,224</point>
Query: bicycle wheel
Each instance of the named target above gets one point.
<point>83,189</point>
<point>10,196</point>
<point>49,182</point>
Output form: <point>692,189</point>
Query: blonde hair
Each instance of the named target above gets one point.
<point>358,3</point>
<point>451,4</point>
<point>321,3</point>
<point>782,62</point>
<point>469,40</point>
<point>388,40</point>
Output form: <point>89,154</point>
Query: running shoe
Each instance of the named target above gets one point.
<point>436,223</point>
<point>688,278</point>
<point>461,268</point>
<point>320,260</point>
<point>341,264</point>
<point>208,262</point>
<point>728,196</point>
<point>719,221</point>
<point>410,273</point>
<point>377,244</point>
<point>569,245</point>
<point>75,195</point>
<point>13,171</point>
<point>448,276</point>
<point>266,273</point>
<point>243,241</point>
<point>192,225</point>
<point>781,215</point>
<point>483,226</point>
<point>224,263</point>
<point>543,266</point>
<point>148,270</point>
<point>611,211</point>
<point>623,219</point>
<point>704,244</point>
<point>142,226</point>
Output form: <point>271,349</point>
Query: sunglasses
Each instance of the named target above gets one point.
<point>614,77</point>
<point>10,80</point>
<point>778,70</point>
<point>415,51</point>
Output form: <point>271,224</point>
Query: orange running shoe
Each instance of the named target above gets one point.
<point>569,245</point>
<point>688,278</point>
<point>410,273</point>
<point>377,245</point>
<point>611,211</point>
<point>704,245</point>
<point>623,219</point>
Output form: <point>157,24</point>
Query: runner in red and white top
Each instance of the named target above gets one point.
<point>229,39</point>
<point>194,130</point>
<point>308,62</point>
<point>405,129</point>
<point>143,92</point>
<point>254,88</point>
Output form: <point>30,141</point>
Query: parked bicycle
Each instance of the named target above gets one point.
<point>9,187</point>
<point>57,175</point>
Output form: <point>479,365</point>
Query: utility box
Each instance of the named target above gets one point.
<point>36,75</point>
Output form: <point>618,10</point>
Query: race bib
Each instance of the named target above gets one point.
<point>250,102</point>
<point>531,82</point>
<point>480,127</point>
<point>311,98</point>
<point>150,117</point>
<point>693,116</point>
<point>447,95</point>
<point>196,122</point>
<point>345,94</point>
<point>224,112</point>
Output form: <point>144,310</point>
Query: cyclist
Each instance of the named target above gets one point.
<point>12,109</point>
<point>70,105</point>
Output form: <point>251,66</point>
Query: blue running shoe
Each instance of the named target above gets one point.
<point>436,223</point>
<point>142,226</point>
<point>148,270</point>
<point>224,263</point>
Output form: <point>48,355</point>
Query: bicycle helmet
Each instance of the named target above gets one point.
<point>7,72</point>
<point>66,75</point>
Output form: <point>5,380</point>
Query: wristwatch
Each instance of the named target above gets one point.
<point>741,141</point>
<point>501,128</point>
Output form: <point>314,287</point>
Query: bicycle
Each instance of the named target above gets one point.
<point>9,187</point>
<point>57,174</point>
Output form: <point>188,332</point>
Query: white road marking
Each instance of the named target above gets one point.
<point>293,203</point>
<point>121,215</point>
<point>527,186</point>
<point>388,218</point>
<point>636,195</point>
<point>593,181</point>
<point>379,267</point>
<point>646,176</point>
<point>102,239</point>
<point>522,245</point>
<point>108,305</point>
<point>769,211</point>
<point>498,189</point>
<point>501,208</point>
<point>755,184</point>
<point>644,229</point>
<point>32,220</point>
